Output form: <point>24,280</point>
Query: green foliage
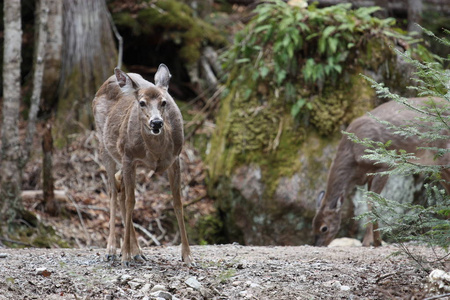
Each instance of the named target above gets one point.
<point>287,46</point>
<point>428,222</point>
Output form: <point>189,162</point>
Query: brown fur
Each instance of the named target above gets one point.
<point>128,137</point>
<point>348,169</point>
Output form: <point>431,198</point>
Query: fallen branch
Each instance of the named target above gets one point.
<point>33,194</point>
<point>88,237</point>
<point>198,199</point>
<point>15,242</point>
<point>147,233</point>
<point>86,207</point>
<point>437,297</point>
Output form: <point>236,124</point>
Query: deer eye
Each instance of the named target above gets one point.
<point>323,229</point>
<point>163,103</point>
<point>142,103</point>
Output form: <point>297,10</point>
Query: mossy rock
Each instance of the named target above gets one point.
<point>174,21</point>
<point>266,168</point>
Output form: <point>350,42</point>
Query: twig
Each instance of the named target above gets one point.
<point>437,297</point>
<point>163,231</point>
<point>147,233</point>
<point>209,103</point>
<point>15,242</point>
<point>198,199</point>
<point>93,207</point>
<point>88,237</point>
<point>384,276</point>
<point>175,238</point>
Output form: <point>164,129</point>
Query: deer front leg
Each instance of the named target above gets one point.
<point>130,248</point>
<point>372,235</point>
<point>111,245</point>
<point>175,185</point>
<point>135,249</point>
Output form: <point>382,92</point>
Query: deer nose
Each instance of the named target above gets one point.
<point>156,124</point>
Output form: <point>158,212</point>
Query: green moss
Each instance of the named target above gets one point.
<point>36,234</point>
<point>377,52</point>
<point>209,230</point>
<point>177,22</point>
<point>340,105</point>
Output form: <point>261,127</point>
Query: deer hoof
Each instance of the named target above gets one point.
<point>126,264</point>
<point>189,261</point>
<point>110,257</point>
<point>140,258</point>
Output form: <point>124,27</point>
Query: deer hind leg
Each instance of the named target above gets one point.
<point>175,185</point>
<point>110,167</point>
<point>118,181</point>
<point>372,235</point>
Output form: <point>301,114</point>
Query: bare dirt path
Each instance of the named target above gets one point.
<point>222,272</point>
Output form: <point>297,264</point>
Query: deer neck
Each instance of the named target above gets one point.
<point>342,176</point>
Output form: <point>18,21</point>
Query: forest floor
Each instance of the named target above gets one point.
<point>228,271</point>
<point>221,272</point>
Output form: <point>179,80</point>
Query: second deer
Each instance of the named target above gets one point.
<point>349,169</point>
<point>138,123</point>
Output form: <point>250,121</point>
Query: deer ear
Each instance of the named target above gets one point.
<point>124,81</point>
<point>336,204</point>
<point>162,77</point>
<point>320,198</point>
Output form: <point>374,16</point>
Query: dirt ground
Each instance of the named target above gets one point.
<point>221,272</point>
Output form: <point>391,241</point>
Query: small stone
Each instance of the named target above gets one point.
<point>345,288</point>
<point>193,283</point>
<point>243,294</point>
<point>124,278</point>
<point>146,288</point>
<point>40,270</point>
<point>236,283</point>
<point>160,295</point>
<point>3,255</point>
<point>345,242</point>
<point>165,295</point>
<point>136,283</point>
<point>158,288</point>
<point>251,284</point>
<point>332,283</point>
<point>206,293</point>
<point>43,272</point>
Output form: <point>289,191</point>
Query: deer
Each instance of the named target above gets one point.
<point>138,123</point>
<point>348,169</point>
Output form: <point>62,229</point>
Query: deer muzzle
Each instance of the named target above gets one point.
<point>156,126</point>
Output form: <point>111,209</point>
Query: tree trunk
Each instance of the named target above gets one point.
<point>89,58</point>
<point>414,15</point>
<point>384,12</point>
<point>53,56</point>
<point>40,46</point>
<point>50,204</point>
<point>10,200</point>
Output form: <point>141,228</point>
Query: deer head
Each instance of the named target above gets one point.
<point>327,221</point>
<point>151,99</point>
